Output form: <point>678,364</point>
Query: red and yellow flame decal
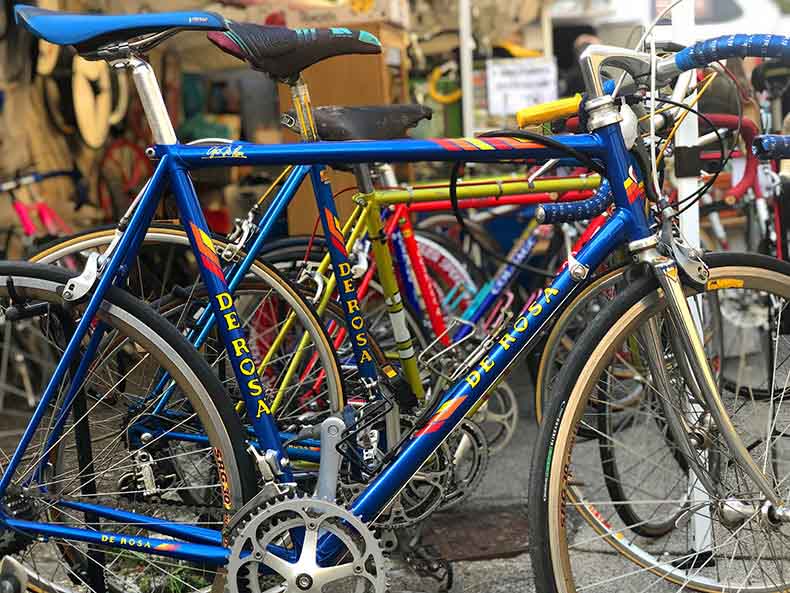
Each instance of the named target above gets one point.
<point>633,189</point>
<point>335,234</point>
<point>503,143</point>
<point>208,255</point>
<point>443,413</point>
<point>166,547</point>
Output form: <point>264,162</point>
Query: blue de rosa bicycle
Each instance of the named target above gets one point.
<point>109,488</point>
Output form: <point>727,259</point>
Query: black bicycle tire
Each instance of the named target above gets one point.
<point>546,442</point>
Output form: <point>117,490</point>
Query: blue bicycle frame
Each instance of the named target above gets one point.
<point>628,223</point>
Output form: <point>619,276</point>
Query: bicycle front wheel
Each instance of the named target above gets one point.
<point>715,538</point>
<point>568,327</point>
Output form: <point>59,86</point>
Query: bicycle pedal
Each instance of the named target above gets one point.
<point>181,292</point>
<point>427,562</point>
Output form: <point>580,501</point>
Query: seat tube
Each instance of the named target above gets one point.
<point>427,290</point>
<point>335,241</point>
<point>386,273</point>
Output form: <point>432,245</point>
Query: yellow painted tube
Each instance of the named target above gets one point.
<point>357,219</point>
<point>487,190</point>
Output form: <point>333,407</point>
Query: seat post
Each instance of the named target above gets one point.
<point>152,100</point>
<point>300,95</point>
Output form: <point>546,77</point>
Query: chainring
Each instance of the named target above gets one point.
<point>418,500</point>
<point>295,525</point>
<point>469,449</point>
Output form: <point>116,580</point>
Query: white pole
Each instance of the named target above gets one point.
<point>687,135</point>
<point>466,49</point>
<point>547,28</point>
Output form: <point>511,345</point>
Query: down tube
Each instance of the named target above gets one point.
<point>224,309</point>
<point>462,396</point>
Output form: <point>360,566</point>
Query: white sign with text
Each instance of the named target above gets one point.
<point>515,83</point>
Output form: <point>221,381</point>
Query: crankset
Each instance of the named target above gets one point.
<point>253,566</point>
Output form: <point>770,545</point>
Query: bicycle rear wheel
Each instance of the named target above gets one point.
<point>165,274</point>
<point>186,464</point>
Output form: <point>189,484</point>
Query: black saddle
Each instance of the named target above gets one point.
<point>378,122</point>
<point>283,53</point>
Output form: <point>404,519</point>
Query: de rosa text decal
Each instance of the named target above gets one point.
<point>511,337</point>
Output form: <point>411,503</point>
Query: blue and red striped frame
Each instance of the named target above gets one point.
<point>628,223</point>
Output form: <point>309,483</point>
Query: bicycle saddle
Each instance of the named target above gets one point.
<point>283,53</point>
<point>378,122</point>
<point>88,32</point>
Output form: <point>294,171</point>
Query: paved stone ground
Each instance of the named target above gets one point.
<point>502,497</point>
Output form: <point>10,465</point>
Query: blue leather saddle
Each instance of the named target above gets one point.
<point>91,31</point>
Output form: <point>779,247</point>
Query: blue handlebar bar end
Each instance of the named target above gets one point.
<point>771,146</point>
<point>706,52</point>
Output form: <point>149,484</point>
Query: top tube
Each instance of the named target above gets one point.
<point>387,151</point>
